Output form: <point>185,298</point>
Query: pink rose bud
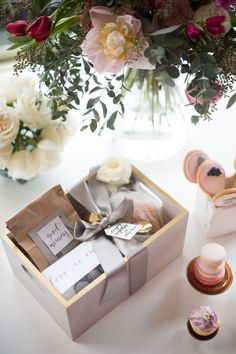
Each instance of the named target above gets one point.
<point>192,31</point>
<point>18,28</point>
<point>214,25</point>
<point>40,28</point>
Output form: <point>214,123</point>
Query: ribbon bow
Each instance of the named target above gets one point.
<point>94,196</point>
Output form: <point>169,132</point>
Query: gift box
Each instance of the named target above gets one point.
<point>90,304</point>
<point>217,220</point>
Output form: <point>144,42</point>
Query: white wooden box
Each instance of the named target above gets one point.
<point>215,221</point>
<point>84,309</point>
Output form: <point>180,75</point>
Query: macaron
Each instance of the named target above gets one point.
<point>209,267</point>
<point>212,254</point>
<point>191,163</point>
<point>211,177</point>
<point>225,198</point>
<point>206,279</point>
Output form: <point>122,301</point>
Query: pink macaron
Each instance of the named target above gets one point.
<point>211,177</point>
<point>191,163</point>
<point>206,280</point>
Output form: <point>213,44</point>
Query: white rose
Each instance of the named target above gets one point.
<point>33,109</point>
<point>115,171</point>
<point>22,166</point>
<point>60,132</point>
<point>46,155</point>
<point>12,86</point>
<point>5,155</point>
<point>9,126</point>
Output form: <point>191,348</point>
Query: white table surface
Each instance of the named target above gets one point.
<point>153,320</point>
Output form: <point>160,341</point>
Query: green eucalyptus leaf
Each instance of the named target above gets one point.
<point>165,30</point>
<point>211,92</point>
<point>111,121</point>
<point>93,125</point>
<point>104,109</point>
<point>96,115</point>
<point>20,39</point>
<point>95,89</point>
<point>173,71</point>
<point>199,108</point>
<point>168,41</point>
<point>231,101</point>
<point>64,24</point>
<point>195,119</point>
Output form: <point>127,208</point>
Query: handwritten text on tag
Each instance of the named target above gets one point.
<point>72,267</point>
<point>123,230</point>
<point>55,235</point>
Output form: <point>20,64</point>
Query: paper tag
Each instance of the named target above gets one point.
<point>55,235</point>
<point>72,267</point>
<point>123,230</point>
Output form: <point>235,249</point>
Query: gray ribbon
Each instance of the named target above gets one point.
<point>94,196</point>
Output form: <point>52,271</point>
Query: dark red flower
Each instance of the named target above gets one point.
<point>18,28</point>
<point>40,28</point>
<point>214,25</point>
<point>85,20</point>
<point>192,31</point>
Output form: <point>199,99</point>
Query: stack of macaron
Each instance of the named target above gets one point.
<point>203,322</point>
<point>209,268</point>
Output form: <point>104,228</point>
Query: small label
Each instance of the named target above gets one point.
<point>72,267</point>
<point>55,235</point>
<point>123,230</point>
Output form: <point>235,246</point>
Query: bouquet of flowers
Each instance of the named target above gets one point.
<point>71,43</point>
<point>31,142</point>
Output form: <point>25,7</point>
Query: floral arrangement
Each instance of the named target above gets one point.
<point>31,142</point>
<point>71,43</point>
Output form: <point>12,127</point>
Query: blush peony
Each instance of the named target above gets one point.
<point>115,41</point>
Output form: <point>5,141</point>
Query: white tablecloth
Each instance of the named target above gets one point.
<point>153,320</point>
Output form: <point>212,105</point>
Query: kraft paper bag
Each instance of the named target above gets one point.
<point>38,213</point>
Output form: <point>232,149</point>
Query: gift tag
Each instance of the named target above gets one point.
<point>71,268</point>
<point>55,235</point>
<point>123,230</point>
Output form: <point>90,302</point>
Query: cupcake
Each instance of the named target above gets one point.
<point>203,322</point>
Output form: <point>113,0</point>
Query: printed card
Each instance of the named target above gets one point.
<point>72,267</point>
<point>124,231</point>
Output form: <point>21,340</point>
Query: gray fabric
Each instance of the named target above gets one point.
<point>95,196</point>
